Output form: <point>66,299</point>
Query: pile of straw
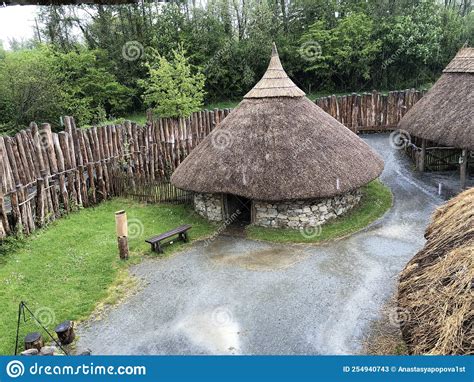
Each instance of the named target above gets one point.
<point>436,290</point>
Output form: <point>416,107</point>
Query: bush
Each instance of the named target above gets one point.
<point>172,90</point>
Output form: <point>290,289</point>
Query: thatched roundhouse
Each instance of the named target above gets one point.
<point>436,290</point>
<point>278,159</point>
<point>444,115</point>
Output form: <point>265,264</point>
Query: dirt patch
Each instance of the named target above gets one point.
<point>260,259</point>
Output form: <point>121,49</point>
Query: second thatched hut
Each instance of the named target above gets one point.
<point>278,160</point>
<point>443,118</point>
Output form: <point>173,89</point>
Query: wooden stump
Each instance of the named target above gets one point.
<point>123,247</point>
<point>65,332</point>
<point>122,233</point>
<point>34,341</point>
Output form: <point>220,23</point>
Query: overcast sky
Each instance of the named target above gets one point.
<point>16,22</point>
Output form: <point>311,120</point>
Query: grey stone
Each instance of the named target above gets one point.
<point>30,352</point>
<point>47,350</point>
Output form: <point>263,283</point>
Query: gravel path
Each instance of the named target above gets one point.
<point>238,296</point>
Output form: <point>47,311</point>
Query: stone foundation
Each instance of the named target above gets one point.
<point>304,213</point>
<point>291,214</point>
<point>209,206</point>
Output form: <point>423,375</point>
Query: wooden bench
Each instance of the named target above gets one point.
<point>181,231</point>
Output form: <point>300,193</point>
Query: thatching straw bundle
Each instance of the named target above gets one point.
<point>436,291</point>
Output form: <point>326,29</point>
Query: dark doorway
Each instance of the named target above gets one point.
<point>239,209</point>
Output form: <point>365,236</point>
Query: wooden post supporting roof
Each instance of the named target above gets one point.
<point>463,168</point>
<point>422,160</point>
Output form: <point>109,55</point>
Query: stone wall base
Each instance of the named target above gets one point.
<point>304,213</point>
<point>209,206</point>
<point>290,214</point>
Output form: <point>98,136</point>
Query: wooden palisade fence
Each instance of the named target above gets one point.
<point>370,111</point>
<point>45,175</point>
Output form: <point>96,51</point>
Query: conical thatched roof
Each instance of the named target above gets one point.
<point>278,145</point>
<point>436,287</point>
<point>444,114</point>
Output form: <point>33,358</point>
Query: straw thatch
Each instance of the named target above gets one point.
<point>444,114</point>
<point>463,62</point>
<point>278,145</point>
<point>436,291</point>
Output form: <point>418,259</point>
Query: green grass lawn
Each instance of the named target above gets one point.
<point>377,199</point>
<point>64,271</point>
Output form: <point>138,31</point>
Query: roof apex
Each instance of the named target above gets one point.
<point>275,82</point>
<point>463,62</point>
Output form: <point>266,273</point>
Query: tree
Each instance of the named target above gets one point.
<point>91,92</point>
<point>411,43</point>
<point>172,89</point>
<point>347,51</point>
<point>29,88</point>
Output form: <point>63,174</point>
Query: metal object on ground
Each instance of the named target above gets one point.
<point>65,332</point>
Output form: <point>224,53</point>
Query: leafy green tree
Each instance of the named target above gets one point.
<point>411,43</point>
<point>365,44</point>
<point>3,53</point>
<point>29,88</point>
<point>90,91</point>
<point>347,51</point>
<point>172,89</point>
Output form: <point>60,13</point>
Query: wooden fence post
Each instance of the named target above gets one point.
<point>40,202</point>
<point>3,216</point>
